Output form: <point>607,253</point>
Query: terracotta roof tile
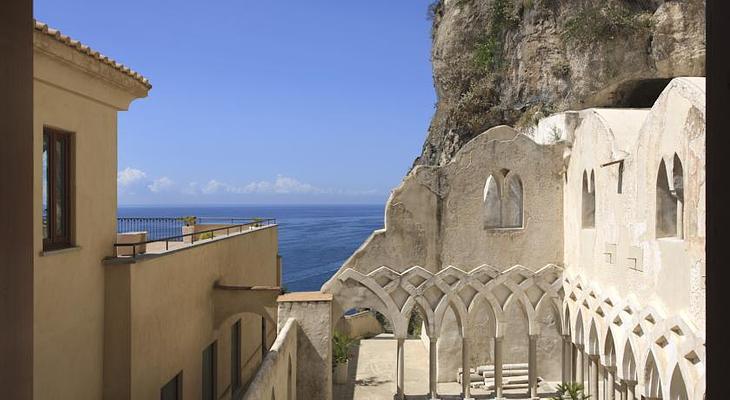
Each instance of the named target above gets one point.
<point>82,48</point>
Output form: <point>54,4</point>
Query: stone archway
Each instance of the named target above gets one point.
<point>452,293</point>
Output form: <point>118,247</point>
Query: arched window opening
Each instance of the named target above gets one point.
<point>492,203</point>
<point>629,362</point>
<point>512,205</point>
<point>677,388</point>
<point>652,379</point>
<point>670,200</point>
<point>503,201</point>
<point>588,215</point>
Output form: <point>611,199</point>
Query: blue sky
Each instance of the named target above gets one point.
<point>263,101</point>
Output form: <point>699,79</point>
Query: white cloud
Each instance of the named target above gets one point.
<point>129,176</point>
<point>160,184</point>
<point>282,185</point>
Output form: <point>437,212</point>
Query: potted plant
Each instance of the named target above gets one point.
<point>189,220</point>
<point>341,345</point>
<point>571,391</point>
<point>257,222</point>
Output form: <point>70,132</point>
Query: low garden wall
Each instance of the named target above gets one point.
<point>277,376</point>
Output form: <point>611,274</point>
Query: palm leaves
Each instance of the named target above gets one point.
<point>571,391</point>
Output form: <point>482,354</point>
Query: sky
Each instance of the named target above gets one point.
<point>263,102</point>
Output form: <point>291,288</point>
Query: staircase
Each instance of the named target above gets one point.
<point>514,377</point>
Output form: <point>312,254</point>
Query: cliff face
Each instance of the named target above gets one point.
<point>514,61</point>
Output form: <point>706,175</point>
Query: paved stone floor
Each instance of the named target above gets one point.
<point>372,374</point>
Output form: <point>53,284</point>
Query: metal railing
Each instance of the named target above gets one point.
<point>156,227</point>
<point>209,233</point>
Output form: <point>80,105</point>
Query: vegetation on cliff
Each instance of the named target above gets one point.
<point>515,61</point>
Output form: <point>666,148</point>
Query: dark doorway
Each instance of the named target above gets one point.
<point>210,375</point>
<point>172,389</point>
<point>236,356</point>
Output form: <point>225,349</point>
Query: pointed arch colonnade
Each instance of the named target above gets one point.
<point>639,353</point>
<point>396,295</point>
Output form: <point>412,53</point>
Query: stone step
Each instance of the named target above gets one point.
<point>474,377</point>
<point>514,372</point>
<point>508,381</point>
<point>505,367</point>
<point>511,386</point>
<point>489,383</point>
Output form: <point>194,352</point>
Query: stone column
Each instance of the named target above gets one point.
<point>567,359</point>
<point>579,365</point>
<point>465,370</point>
<point>313,312</point>
<point>622,389</point>
<point>432,364</point>
<point>573,367</point>
<point>532,367</point>
<point>593,376</point>
<point>498,368</point>
<point>611,384</point>
<point>399,371</point>
<point>630,390</point>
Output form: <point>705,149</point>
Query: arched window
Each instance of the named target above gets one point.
<point>670,199</point>
<point>492,203</point>
<point>503,201</point>
<point>512,204</point>
<point>588,215</point>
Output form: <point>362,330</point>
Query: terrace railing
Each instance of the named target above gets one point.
<point>156,227</point>
<point>223,225</point>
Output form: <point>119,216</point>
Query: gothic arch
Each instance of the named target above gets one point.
<point>652,378</point>
<point>609,350</point>
<point>513,200</point>
<point>629,362</point>
<point>588,201</point>
<point>492,202</point>
<point>593,342</point>
<point>677,387</point>
<point>670,198</point>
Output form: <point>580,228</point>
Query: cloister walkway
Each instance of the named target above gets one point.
<point>372,374</point>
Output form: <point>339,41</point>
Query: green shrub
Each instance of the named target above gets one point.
<point>488,50</point>
<point>605,22</point>
<point>571,391</point>
<point>205,235</point>
<point>188,220</point>
<point>341,345</point>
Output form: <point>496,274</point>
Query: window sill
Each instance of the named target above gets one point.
<point>59,251</point>
<point>505,229</point>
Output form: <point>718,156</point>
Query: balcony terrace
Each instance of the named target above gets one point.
<point>150,236</point>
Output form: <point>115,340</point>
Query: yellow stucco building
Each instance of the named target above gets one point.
<point>189,321</point>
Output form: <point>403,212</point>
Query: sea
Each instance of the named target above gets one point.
<point>314,240</point>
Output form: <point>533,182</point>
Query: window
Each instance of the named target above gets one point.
<point>670,199</point>
<point>173,389</point>
<point>236,356</point>
<point>588,215</point>
<point>210,375</point>
<point>503,201</point>
<point>56,165</point>
<point>263,338</point>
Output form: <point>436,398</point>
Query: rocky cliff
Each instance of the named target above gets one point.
<point>514,61</point>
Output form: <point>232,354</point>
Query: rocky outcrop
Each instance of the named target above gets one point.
<point>515,61</point>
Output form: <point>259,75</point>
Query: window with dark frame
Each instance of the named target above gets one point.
<point>56,165</point>
<point>236,356</point>
<point>172,389</point>
<point>210,373</point>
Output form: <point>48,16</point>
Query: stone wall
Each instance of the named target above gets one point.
<point>277,376</point>
<point>436,218</point>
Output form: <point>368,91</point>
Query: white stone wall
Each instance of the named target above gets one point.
<point>620,264</point>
